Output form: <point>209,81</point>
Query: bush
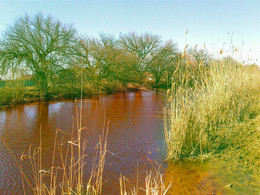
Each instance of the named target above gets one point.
<point>10,95</point>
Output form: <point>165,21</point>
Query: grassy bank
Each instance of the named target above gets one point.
<point>14,93</point>
<point>218,115</point>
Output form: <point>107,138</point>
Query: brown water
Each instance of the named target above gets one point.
<point>135,140</point>
<point>135,135</point>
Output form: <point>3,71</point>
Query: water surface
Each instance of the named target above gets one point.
<point>135,135</point>
<point>135,144</point>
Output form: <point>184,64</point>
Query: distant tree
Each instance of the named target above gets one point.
<point>42,45</point>
<point>160,60</point>
<point>200,56</point>
<point>124,68</point>
<point>173,68</point>
<point>103,52</point>
<point>140,47</point>
<point>84,60</point>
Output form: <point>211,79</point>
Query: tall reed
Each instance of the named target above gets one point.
<point>67,177</point>
<point>66,174</point>
<point>154,185</point>
<point>200,120</point>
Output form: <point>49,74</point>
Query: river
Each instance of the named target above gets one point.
<point>135,135</point>
<point>135,142</point>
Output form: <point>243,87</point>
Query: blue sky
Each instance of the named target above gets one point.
<point>208,21</point>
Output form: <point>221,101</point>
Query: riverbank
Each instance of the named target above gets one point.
<point>120,109</point>
<point>11,96</point>
<point>219,117</point>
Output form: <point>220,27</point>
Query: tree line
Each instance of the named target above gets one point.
<point>53,54</point>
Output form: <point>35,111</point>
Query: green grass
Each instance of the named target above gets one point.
<point>18,93</point>
<point>12,94</point>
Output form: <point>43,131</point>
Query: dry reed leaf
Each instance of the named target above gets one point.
<point>183,54</point>
<point>195,47</point>
<point>186,46</point>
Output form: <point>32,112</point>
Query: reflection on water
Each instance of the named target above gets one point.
<point>135,138</point>
<point>135,135</point>
<point>2,117</point>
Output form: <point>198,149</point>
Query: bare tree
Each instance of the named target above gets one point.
<point>160,60</point>
<point>141,46</point>
<point>43,45</point>
<point>200,56</point>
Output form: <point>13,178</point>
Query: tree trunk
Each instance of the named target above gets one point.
<point>41,81</point>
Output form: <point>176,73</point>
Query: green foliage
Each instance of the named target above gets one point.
<point>12,93</point>
<point>140,48</point>
<point>40,45</point>
<point>45,51</point>
<point>67,84</point>
<point>243,147</point>
<point>160,60</point>
<point>2,83</point>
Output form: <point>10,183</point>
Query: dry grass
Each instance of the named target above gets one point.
<point>68,176</point>
<point>154,185</point>
<point>200,120</point>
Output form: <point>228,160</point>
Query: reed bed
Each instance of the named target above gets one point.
<point>203,119</point>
